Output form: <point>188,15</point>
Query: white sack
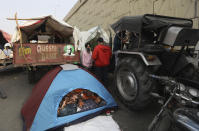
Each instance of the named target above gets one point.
<point>99,123</point>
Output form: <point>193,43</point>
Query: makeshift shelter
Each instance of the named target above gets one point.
<point>41,111</point>
<point>41,42</point>
<point>82,37</point>
<point>44,28</point>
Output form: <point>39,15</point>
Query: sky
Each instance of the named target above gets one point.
<point>31,9</point>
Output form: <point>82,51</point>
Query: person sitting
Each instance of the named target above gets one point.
<point>7,51</point>
<point>134,40</point>
<point>119,40</point>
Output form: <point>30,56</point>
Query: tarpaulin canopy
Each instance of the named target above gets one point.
<point>148,21</point>
<point>40,112</point>
<point>46,25</point>
<point>6,35</point>
<point>4,38</point>
<point>82,37</point>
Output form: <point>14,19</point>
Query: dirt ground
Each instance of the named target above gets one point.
<point>15,84</point>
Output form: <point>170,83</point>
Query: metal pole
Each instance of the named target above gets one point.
<point>129,8</point>
<point>196,11</point>
<point>196,8</point>
<point>154,6</point>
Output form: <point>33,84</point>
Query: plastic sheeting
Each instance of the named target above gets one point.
<point>99,123</point>
<point>82,37</point>
<point>6,36</point>
<point>69,67</point>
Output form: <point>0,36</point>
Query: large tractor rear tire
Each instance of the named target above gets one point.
<point>133,85</point>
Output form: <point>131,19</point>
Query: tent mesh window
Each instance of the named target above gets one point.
<point>79,100</point>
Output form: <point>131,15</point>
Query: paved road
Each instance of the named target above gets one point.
<point>18,89</point>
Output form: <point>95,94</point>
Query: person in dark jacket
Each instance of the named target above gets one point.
<point>119,40</point>
<point>101,56</point>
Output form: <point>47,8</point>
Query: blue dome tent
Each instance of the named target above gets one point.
<point>50,91</point>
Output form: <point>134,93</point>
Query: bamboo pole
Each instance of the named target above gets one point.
<point>24,19</point>
<point>19,30</point>
<point>21,40</point>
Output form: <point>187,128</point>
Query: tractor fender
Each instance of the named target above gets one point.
<point>149,60</point>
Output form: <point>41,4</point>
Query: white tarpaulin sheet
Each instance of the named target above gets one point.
<point>99,123</point>
<point>67,67</point>
<point>82,37</point>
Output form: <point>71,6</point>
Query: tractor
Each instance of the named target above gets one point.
<point>156,45</point>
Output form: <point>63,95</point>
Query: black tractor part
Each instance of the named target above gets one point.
<point>132,81</point>
<point>187,119</point>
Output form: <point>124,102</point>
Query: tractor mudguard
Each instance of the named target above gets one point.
<point>149,60</point>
